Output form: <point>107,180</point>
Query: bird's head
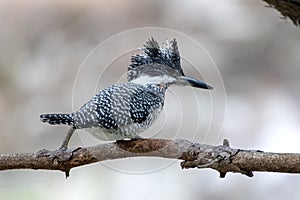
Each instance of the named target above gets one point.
<point>160,65</point>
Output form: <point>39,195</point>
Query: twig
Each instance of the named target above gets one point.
<point>222,158</point>
<point>287,8</point>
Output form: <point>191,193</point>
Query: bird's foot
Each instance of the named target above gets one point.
<point>64,145</point>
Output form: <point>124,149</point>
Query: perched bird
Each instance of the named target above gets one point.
<point>125,110</point>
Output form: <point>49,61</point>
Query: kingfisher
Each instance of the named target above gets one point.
<point>123,111</point>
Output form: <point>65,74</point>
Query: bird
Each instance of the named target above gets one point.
<point>123,111</point>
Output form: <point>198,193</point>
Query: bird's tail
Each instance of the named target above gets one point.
<point>56,119</point>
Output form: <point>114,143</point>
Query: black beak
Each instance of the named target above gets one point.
<point>196,83</point>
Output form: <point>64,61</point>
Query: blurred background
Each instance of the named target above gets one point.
<point>43,45</point>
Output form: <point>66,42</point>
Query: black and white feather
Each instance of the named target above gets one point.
<point>125,110</point>
<point>117,112</point>
<point>165,58</point>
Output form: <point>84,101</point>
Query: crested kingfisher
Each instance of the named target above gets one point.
<point>123,111</point>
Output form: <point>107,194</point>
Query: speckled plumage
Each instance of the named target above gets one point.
<point>124,110</point>
<point>117,112</point>
<point>155,57</point>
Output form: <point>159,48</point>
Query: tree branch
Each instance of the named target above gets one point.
<point>222,158</point>
<point>287,8</point>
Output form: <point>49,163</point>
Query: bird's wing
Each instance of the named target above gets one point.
<point>143,104</point>
<point>118,106</point>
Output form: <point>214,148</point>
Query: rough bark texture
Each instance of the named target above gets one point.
<point>222,158</point>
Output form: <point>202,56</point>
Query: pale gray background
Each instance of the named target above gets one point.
<point>43,43</point>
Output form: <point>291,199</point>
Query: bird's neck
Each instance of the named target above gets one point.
<point>147,79</point>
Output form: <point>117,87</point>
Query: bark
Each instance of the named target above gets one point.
<point>287,8</point>
<point>222,158</point>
